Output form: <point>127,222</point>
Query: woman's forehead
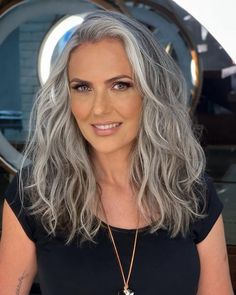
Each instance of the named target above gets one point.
<point>94,59</point>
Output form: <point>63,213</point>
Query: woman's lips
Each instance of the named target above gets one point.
<point>106,129</point>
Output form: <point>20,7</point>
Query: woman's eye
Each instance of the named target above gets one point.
<point>122,85</point>
<point>80,87</point>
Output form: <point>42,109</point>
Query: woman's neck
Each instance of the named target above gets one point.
<point>112,168</point>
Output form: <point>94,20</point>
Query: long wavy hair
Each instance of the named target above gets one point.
<point>166,164</point>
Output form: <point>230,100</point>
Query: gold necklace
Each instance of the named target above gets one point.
<point>126,290</point>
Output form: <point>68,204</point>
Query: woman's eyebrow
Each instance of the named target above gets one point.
<point>107,81</point>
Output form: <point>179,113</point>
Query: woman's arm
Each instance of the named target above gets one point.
<point>214,276</point>
<point>18,264</point>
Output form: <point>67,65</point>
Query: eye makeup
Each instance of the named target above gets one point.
<point>83,87</point>
<point>76,86</point>
<point>125,85</point>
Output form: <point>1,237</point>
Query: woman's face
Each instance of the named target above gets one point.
<point>104,100</point>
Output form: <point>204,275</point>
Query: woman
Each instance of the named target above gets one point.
<point>115,201</point>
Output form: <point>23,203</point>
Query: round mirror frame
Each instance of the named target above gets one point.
<point>22,11</point>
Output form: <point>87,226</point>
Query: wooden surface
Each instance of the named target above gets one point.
<point>232,263</point>
<point>6,4</point>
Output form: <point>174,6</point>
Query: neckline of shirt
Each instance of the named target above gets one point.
<point>126,230</point>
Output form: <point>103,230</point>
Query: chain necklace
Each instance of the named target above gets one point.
<point>126,290</point>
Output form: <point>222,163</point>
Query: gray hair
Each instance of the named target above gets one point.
<point>167,162</point>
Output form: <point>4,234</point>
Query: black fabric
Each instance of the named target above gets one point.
<point>162,265</point>
<point>14,200</point>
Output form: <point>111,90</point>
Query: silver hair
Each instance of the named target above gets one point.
<point>166,163</point>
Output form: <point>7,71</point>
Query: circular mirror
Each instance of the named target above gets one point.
<point>30,43</point>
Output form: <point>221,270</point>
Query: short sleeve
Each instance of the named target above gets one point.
<point>201,227</point>
<point>13,199</point>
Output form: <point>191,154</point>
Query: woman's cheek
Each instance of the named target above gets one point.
<point>80,109</point>
<point>130,106</point>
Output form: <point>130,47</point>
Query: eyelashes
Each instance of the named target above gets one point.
<point>83,87</point>
<point>125,85</point>
<point>80,87</point>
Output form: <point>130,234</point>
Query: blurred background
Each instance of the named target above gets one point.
<point>33,33</point>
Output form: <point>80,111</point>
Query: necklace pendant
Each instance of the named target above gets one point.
<point>126,292</point>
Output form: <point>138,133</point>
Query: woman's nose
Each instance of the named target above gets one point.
<point>102,103</point>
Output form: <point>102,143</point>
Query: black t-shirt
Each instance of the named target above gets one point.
<point>162,265</point>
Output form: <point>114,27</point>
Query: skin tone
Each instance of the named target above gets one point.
<point>102,90</point>
<point>99,100</point>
